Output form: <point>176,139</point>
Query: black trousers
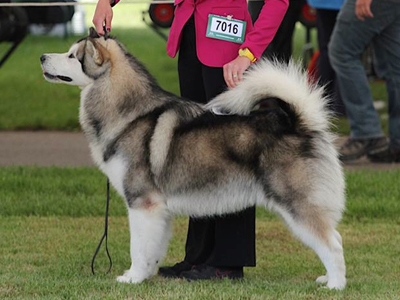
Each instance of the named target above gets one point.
<point>229,240</point>
<point>281,45</point>
<point>326,20</point>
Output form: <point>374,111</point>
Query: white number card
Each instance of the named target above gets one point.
<point>226,29</point>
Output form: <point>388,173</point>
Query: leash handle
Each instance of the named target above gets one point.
<point>105,235</point>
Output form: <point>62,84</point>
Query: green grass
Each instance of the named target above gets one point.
<point>49,258</point>
<point>27,101</point>
<point>80,192</point>
<point>51,221</point>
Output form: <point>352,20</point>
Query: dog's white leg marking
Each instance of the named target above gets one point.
<point>329,250</point>
<point>324,278</point>
<point>150,229</point>
<point>331,255</point>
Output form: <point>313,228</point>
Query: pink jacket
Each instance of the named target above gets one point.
<point>216,53</point>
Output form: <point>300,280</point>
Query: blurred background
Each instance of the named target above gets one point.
<point>28,102</point>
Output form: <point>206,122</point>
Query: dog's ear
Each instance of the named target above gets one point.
<point>93,33</point>
<point>92,48</point>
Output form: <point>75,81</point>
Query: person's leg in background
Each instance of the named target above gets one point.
<point>387,56</point>
<point>326,19</point>
<point>349,39</point>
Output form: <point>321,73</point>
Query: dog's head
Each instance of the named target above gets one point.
<point>87,60</point>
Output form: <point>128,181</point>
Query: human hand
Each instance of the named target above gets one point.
<point>103,14</point>
<point>363,9</point>
<point>233,71</point>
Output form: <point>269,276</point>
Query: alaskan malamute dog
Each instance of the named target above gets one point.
<point>166,155</point>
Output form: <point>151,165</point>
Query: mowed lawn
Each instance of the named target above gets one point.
<point>51,220</point>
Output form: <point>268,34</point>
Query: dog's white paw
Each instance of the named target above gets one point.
<point>336,284</point>
<point>322,279</point>
<point>130,277</point>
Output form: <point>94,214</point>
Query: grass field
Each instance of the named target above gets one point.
<point>27,101</point>
<point>51,221</point>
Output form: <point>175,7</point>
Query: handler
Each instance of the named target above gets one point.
<point>217,42</point>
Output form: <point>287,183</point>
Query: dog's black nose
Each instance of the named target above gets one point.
<point>42,58</point>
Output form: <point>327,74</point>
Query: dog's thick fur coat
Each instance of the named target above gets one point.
<point>165,155</point>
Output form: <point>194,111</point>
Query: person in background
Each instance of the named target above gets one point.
<point>327,11</point>
<point>281,45</point>
<point>359,23</point>
<point>215,247</point>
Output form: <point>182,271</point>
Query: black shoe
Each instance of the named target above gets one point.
<point>389,155</point>
<point>176,270</point>
<point>354,149</point>
<point>204,272</point>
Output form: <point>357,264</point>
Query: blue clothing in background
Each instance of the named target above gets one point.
<point>326,4</point>
<point>349,40</point>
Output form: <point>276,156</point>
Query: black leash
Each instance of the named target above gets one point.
<point>105,234</point>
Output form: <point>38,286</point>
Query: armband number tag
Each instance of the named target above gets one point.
<point>226,29</point>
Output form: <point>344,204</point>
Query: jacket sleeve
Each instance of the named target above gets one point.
<point>266,26</point>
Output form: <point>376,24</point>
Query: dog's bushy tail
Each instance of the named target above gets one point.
<point>287,82</point>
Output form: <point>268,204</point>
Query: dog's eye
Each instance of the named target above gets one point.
<point>71,56</point>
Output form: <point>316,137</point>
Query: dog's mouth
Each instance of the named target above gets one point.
<point>55,77</point>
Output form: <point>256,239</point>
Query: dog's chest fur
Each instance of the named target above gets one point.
<point>96,132</point>
<point>115,169</point>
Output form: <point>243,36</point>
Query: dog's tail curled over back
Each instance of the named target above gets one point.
<point>287,82</point>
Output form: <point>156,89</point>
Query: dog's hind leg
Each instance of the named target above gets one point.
<point>324,278</point>
<point>150,229</point>
<point>318,233</point>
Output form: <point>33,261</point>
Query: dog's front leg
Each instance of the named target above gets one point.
<point>150,228</point>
